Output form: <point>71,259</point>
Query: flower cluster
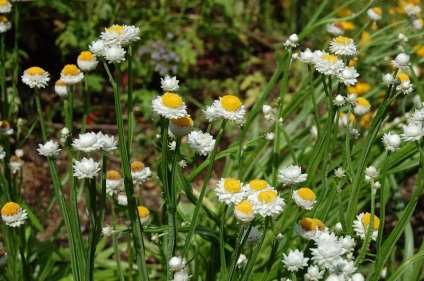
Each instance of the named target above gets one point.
<point>414,130</point>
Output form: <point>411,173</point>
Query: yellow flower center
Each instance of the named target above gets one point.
<point>137,166</point>
<point>257,184</point>
<point>402,76</point>
<point>86,56</point>
<point>35,70</point>
<point>245,207</point>
<point>347,25</point>
<point>183,122</point>
<point>113,175</point>
<point>4,2</point>
<point>377,10</point>
<point>172,100</point>
<point>366,220</point>
<point>143,211</point>
<point>116,28</point>
<point>308,224</point>
<point>232,185</point>
<point>319,224</point>
<point>3,19</point>
<point>362,102</point>
<point>10,209</point>
<point>267,196</point>
<point>343,40</point>
<point>419,49</point>
<point>4,124</point>
<point>330,58</point>
<point>70,69</point>
<point>230,102</point>
<point>306,194</point>
<point>60,83</point>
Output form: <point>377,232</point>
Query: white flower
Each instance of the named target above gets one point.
<point>304,197</point>
<point>182,163</point>
<point>170,106</point>
<point>348,76</point>
<point>388,79</point>
<point>228,107</point>
<point>61,89</point>
<point>357,277</point>
<point>267,202</point>
<point>15,163</point>
<point>391,141</point>
<point>328,250</point>
<point>181,126</point>
<point>5,25</point>
<point>267,111</point>
<point>201,143</point>
<point>291,175</point>
<point>376,185</point>
<point>229,191</point>
<point>181,276</point>
<point>401,61</point>
<point>307,57</point>
<point>5,128</point>
<point>295,260</point>
<point>107,144</point>
<point>347,243</point>
<point>314,273</point>
<point>5,7</point>
<point>310,228</point>
<point>144,214</point>
<point>71,75</point>
<point>412,132</point>
<point>86,61</point>
<point>97,48</point>
<point>375,14</point>
<point>244,212</point>
<point>120,35</point>
<point>35,77</point>
<point>417,24</point>
<point>13,215</point>
<point>354,134</point>
<point>412,9</point>
<point>343,46</point>
<point>49,149</point>
<point>114,182</point>
<point>87,142</point>
<point>418,115</point>
<point>256,185</point>
<point>169,84</point>
<point>172,145</point>
<point>241,261</point>
<point>86,168</point>
<point>352,98</point>
<point>339,172</point>
<point>339,100</point>
<point>292,41</point>
<point>114,54</point>
<point>122,199</point>
<point>328,64</point>
<point>362,224</point>
<point>107,231</point>
<point>335,277</point>
<point>176,263</point>
<point>405,87</point>
<point>334,29</point>
<point>371,173</point>
<point>139,172</point>
<point>361,107</point>
<point>269,136</point>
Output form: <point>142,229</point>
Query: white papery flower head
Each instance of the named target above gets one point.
<point>418,115</point>
<point>176,263</point>
<point>13,215</point>
<point>348,76</point>
<point>362,224</point>
<point>107,231</point>
<point>97,48</point>
<point>391,141</point>
<point>49,149</point>
<point>334,29</point>
<point>335,277</point>
<point>86,61</point>
<point>181,275</point>
<point>16,164</point>
<point>295,260</point>
<point>314,273</point>
<point>71,75</point>
<point>343,46</point>
<point>412,9</point>
<point>412,132</point>
<point>87,142</point>
<point>292,41</point>
<point>35,77</point>
<point>201,143</point>
<point>388,79</point>
<point>357,277</point>
<point>143,214</point>
<point>86,168</point>
<point>304,197</point>
<point>170,106</point>
<point>267,202</point>
<point>181,126</point>
<point>375,14</point>
<point>401,61</point>
<point>114,182</point>
<point>339,100</point>
<point>328,64</point>
<point>256,185</point>
<point>5,7</point>
<point>291,175</point>
<point>114,54</point>
<point>122,199</point>
<point>229,190</point>
<point>347,243</point>
<point>361,107</point>
<point>241,261</point>
<point>139,172</point>
<point>227,107</point>
<point>61,89</point>
<point>310,228</point>
<point>120,35</point>
<point>5,128</point>
<point>371,173</point>
<point>244,212</point>
<point>169,84</point>
<point>107,144</point>
<point>328,250</point>
<point>307,56</point>
<point>5,25</point>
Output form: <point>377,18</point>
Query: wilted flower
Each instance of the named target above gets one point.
<point>49,149</point>
<point>13,214</point>
<point>86,168</point>
<point>35,77</point>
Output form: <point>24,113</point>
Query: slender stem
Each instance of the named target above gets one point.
<point>17,6</point>
<point>41,116</point>
<point>70,109</point>
<point>5,109</point>
<point>236,253</point>
<point>314,101</point>
<point>222,245</point>
<point>383,199</point>
<point>86,98</point>
<point>130,106</point>
<point>91,208</point>
<point>25,266</point>
<point>115,245</point>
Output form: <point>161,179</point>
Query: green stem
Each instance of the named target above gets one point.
<point>5,109</point>
<point>236,253</point>
<point>222,245</point>
<point>314,101</point>
<point>17,5</point>
<point>41,116</point>
<point>383,200</point>
<point>86,97</point>
<point>70,109</point>
<point>130,105</point>
<point>91,209</point>
<point>25,266</point>
<point>115,245</point>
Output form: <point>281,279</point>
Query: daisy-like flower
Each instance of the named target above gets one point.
<point>267,202</point>
<point>169,105</point>
<point>139,172</point>
<point>107,231</point>
<point>291,175</point>
<point>169,84</point>
<point>343,46</point>
<point>314,273</point>
<point>201,143</point>
<point>388,79</point>
<point>13,214</point>
<point>49,149</point>
<point>348,76</point>
<point>86,61</point>
<point>181,126</point>
<point>339,100</point>
<point>5,7</point>
<point>412,132</point>
<point>412,9</point>
<point>256,185</point>
<point>361,107</point>
<point>114,182</point>
<point>391,141</point>
<point>97,48</point>
<point>35,77</point>
<point>295,260</point>
<point>241,261</point>
<point>16,164</point>
<point>401,61</point>
<point>309,228</point>
<point>228,107</point>
<point>5,25</point>
<point>307,57</point>
<point>87,142</point>
<point>344,119</point>
<point>362,224</point>
<point>375,14</point>
<point>304,197</point>
<point>339,172</point>
<point>86,168</point>
<point>229,190</point>
<point>328,250</point>
<point>120,35</point>
<point>61,89</point>
<point>122,199</point>
<point>176,263</point>
<point>114,54</point>
<point>5,128</point>
<point>417,24</point>
<point>181,275</point>
<point>244,212</point>
<point>371,173</point>
<point>107,144</point>
<point>71,75</point>
<point>329,64</point>
<point>405,85</point>
<point>144,214</point>
<point>347,243</point>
